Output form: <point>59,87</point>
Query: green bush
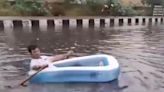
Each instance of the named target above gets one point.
<point>79,11</point>
<point>31,8</point>
<point>6,9</point>
<point>67,8</point>
<point>57,10</point>
<point>116,9</point>
<point>8,12</point>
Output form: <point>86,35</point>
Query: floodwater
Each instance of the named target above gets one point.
<point>139,51</point>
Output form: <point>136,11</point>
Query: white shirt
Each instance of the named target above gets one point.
<point>43,60</point>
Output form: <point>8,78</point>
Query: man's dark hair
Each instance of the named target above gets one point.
<point>31,47</point>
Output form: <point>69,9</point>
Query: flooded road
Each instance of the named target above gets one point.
<point>140,53</point>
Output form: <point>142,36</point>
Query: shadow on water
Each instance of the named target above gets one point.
<point>79,87</point>
<point>23,65</point>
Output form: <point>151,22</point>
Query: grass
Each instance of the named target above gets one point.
<point>8,12</point>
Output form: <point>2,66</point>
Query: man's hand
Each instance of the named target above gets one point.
<point>39,67</point>
<point>61,56</point>
<point>69,53</point>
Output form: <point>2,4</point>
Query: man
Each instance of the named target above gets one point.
<point>38,61</point>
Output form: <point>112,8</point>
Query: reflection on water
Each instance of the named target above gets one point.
<point>139,52</point>
<point>78,87</point>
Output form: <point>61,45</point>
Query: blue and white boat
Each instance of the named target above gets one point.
<point>94,68</point>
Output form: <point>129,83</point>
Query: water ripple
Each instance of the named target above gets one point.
<point>139,52</point>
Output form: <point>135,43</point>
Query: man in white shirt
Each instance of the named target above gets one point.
<point>38,61</point>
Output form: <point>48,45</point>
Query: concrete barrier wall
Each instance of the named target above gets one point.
<point>74,22</point>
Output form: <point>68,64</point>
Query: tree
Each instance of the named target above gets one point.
<point>32,8</point>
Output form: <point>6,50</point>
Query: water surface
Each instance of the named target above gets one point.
<point>139,52</point>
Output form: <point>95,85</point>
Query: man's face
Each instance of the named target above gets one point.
<point>35,53</point>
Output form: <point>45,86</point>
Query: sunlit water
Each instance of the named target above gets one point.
<point>140,53</point>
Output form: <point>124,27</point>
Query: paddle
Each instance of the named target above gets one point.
<point>23,82</point>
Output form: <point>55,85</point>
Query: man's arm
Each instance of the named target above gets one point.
<point>61,56</point>
<point>39,67</point>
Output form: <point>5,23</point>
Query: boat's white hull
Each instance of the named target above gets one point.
<point>94,68</point>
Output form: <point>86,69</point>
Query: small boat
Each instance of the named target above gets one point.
<point>94,68</point>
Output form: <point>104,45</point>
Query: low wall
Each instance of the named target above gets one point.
<point>77,22</point>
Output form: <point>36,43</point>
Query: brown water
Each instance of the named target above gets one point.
<point>140,53</point>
